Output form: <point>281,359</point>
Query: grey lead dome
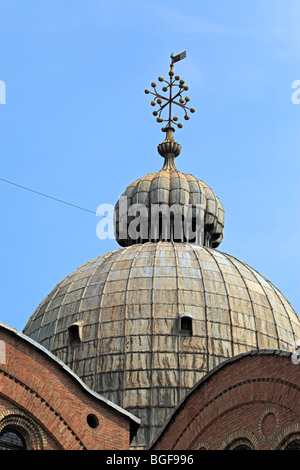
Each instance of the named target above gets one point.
<point>143,324</point>
<point>153,318</point>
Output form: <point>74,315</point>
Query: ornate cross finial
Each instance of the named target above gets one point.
<point>168,101</point>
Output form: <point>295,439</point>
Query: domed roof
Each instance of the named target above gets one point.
<point>169,187</point>
<point>143,324</point>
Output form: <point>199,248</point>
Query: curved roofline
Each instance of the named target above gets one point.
<point>60,363</point>
<point>225,363</point>
<point>185,243</point>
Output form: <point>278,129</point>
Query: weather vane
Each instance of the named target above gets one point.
<point>172,98</point>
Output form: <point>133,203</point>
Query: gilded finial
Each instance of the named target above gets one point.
<point>165,102</point>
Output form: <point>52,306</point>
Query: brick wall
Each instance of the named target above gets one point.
<point>52,406</point>
<point>251,400</point>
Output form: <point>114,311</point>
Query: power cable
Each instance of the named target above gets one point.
<point>50,197</point>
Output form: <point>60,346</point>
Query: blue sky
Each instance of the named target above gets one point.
<point>77,126</point>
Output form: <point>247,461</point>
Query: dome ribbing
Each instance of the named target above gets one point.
<point>130,303</point>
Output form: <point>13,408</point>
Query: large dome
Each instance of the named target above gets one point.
<point>141,325</point>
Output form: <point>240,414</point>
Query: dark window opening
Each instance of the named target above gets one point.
<point>293,445</point>
<point>241,447</point>
<point>240,444</point>
<point>186,326</point>
<point>10,439</point>
<point>75,334</point>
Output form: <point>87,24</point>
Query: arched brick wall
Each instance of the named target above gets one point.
<point>33,434</point>
<point>40,408</point>
<point>51,407</point>
<point>252,400</point>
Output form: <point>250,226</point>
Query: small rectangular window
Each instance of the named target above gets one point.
<point>186,325</point>
<point>75,334</point>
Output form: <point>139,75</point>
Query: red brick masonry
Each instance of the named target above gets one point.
<point>51,406</point>
<point>252,401</point>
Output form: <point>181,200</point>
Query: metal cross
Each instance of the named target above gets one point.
<point>169,100</point>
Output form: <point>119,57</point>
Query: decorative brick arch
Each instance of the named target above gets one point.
<point>202,446</point>
<point>249,398</point>
<point>287,435</point>
<point>228,402</point>
<point>42,411</point>
<point>240,437</point>
<point>32,433</point>
<point>51,407</point>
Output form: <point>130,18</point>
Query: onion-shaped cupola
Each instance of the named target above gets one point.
<point>169,205</point>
